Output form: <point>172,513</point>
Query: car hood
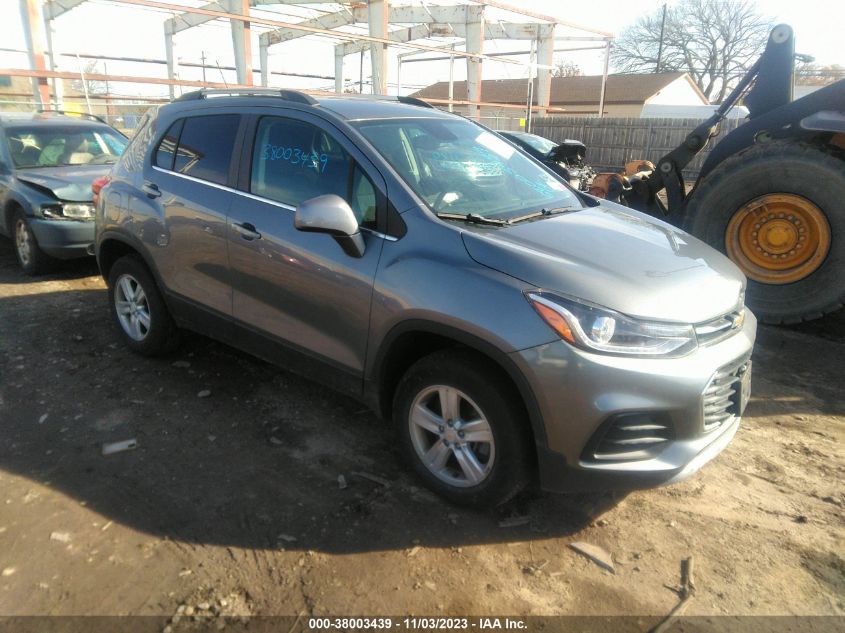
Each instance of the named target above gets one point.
<point>617,258</point>
<point>71,183</point>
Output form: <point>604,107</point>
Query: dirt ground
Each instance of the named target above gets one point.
<point>232,497</point>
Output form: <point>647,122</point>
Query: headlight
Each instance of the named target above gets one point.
<point>602,330</point>
<point>72,210</point>
<point>78,210</point>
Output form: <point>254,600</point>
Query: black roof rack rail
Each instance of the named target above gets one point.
<point>85,115</point>
<point>288,95</point>
<point>414,101</point>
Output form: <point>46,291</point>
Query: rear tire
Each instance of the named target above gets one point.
<point>778,193</point>
<point>31,259</point>
<point>474,450</point>
<point>139,310</point>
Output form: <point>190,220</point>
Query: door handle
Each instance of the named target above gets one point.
<point>246,230</point>
<point>151,189</point>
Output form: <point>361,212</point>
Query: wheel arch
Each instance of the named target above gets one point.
<point>111,247</point>
<point>12,206</point>
<point>411,340</point>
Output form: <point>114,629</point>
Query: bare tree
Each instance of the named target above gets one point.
<point>566,68</point>
<point>715,41</point>
<point>94,87</point>
<point>811,74</point>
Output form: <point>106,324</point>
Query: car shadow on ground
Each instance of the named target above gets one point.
<point>234,451</point>
<point>10,272</point>
<point>231,450</point>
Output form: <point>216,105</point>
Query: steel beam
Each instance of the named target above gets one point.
<point>377,16</point>
<point>278,24</point>
<point>264,62</point>
<point>242,43</point>
<point>171,60</point>
<point>545,60</point>
<point>329,21</point>
<point>475,45</point>
<point>54,8</point>
<point>33,24</point>
<point>418,32</point>
<point>338,68</point>
<point>186,21</point>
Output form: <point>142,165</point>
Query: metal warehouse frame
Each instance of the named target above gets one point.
<point>413,22</point>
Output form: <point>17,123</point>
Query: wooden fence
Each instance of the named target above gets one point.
<point>612,142</point>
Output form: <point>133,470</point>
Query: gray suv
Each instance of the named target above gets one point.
<point>510,326</point>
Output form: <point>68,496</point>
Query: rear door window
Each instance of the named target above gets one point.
<point>205,147</point>
<point>294,161</point>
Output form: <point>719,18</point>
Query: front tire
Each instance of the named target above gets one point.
<point>776,211</point>
<point>461,427</point>
<point>31,259</point>
<point>139,310</point>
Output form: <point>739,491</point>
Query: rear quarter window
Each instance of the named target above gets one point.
<point>133,157</point>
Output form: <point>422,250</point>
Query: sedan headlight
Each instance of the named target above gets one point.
<point>69,210</point>
<point>78,211</point>
<point>602,330</point>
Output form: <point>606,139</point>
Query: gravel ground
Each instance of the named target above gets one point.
<point>231,502</point>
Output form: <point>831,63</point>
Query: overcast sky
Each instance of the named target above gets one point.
<point>103,28</point>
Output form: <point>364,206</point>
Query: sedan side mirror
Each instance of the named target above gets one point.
<point>331,214</point>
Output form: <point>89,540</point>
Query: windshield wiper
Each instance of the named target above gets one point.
<point>539,214</point>
<point>472,217</point>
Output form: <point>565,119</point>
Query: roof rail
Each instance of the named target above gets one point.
<point>84,115</point>
<point>288,95</point>
<point>414,101</point>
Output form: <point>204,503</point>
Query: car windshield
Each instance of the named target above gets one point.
<point>459,167</point>
<point>56,146</point>
<point>542,145</point>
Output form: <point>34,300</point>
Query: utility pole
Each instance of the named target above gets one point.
<point>361,75</point>
<point>202,57</point>
<point>660,46</point>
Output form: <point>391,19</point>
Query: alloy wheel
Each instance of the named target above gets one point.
<point>451,436</point>
<point>23,242</point>
<point>132,307</point>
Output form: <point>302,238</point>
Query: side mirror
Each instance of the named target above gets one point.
<point>331,214</point>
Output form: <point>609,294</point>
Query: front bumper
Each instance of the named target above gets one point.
<point>578,393</point>
<point>64,239</point>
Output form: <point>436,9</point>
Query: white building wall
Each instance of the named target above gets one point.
<point>679,92</point>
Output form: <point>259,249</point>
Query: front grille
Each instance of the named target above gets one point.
<point>630,437</point>
<point>721,399</point>
<point>719,328</point>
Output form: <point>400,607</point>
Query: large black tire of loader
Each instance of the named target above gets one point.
<point>804,170</point>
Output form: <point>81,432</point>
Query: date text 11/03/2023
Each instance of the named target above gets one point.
<point>417,623</point>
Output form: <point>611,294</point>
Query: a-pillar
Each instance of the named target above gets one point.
<point>377,17</point>
<point>545,57</point>
<point>475,45</point>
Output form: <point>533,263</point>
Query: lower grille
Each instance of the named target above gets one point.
<point>721,397</point>
<point>631,437</point>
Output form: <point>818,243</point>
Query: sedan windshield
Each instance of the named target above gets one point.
<point>458,167</point>
<point>57,146</point>
<point>542,145</point>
